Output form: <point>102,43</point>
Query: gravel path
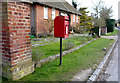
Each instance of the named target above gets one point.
<point>110,37</point>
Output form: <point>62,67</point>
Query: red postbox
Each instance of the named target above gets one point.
<point>61,26</point>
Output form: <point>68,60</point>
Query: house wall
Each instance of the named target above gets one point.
<point>57,12</point>
<point>41,23</point>
<point>16,43</point>
<point>78,19</point>
<point>74,23</point>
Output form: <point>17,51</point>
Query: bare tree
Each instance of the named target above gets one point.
<point>106,13</point>
<point>101,13</point>
<point>50,25</point>
<point>97,8</point>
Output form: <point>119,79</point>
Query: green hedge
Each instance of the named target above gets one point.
<point>110,25</point>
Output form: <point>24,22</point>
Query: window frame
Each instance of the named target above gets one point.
<point>77,18</point>
<point>53,13</point>
<point>45,12</point>
<point>73,17</point>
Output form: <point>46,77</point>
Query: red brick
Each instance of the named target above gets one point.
<point>27,30</point>
<point>18,10</point>
<point>13,63</point>
<point>11,9</point>
<point>7,56</point>
<point>13,38</point>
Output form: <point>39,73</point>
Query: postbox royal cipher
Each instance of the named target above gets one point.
<point>61,26</point>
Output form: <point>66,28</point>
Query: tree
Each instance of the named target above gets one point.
<point>99,22</point>
<point>50,25</point>
<point>101,14</point>
<point>74,3</point>
<point>97,8</point>
<point>105,13</point>
<point>85,20</point>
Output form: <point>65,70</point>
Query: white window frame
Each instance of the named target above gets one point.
<point>45,13</point>
<point>74,18</point>
<point>64,14</point>
<point>77,18</point>
<point>53,14</point>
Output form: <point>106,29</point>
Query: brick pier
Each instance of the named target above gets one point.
<point>15,46</point>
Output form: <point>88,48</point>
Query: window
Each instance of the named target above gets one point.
<point>63,14</point>
<point>73,18</point>
<point>77,19</point>
<point>53,14</point>
<point>45,13</point>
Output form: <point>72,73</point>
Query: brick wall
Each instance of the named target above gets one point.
<point>41,23</point>
<point>16,50</point>
<point>78,19</point>
<point>56,12</point>
<point>39,18</point>
<point>73,24</point>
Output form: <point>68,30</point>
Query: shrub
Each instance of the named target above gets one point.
<point>89,38</point>
<point>82,40</point>
<point>95,36</point>
<point>36,55</point>
<point>68,44</point>
<point>110,25</point>
<point>50,25</point>
<point>78,30</point>
<point>49,34</point>
<point>42,35</point>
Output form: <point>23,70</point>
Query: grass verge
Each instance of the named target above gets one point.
<point>115,32</point>
<point>52,49</point>
<point>44,40</point>
<point>80,59</point>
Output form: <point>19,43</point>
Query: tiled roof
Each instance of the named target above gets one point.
<point>59,4</point>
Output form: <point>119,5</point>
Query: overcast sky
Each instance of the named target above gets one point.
<point>108,3</point>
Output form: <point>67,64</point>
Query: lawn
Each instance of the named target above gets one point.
<point>115,32</point>
<point>52,49</point>
<point>44,40</point>
<point>78,60</point>
<point>47,40</point>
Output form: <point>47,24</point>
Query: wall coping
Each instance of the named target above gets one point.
<point>26,1</point>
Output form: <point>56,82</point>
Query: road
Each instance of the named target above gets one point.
<point>112,71</point>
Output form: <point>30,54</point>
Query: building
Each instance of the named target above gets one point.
<point>42,12</point>
<point>118,10</point>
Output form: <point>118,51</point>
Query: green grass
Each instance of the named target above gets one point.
<point>52,49</point>
<point>115,32</point>
<point>80,59</point>
<point>44,40</point>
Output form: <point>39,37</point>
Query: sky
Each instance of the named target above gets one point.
<point>90,5</point>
